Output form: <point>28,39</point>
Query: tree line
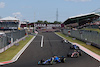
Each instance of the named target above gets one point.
<point>46,22</point>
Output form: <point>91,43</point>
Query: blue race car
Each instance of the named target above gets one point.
<point>52,60</point>
<point>74,47</point>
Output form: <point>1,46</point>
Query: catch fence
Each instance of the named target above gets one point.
<point>92,37</point>
<point>8,38</point>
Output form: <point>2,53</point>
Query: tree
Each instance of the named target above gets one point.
<point>39,22</point>
<point>46,22</point>
<point>56,22</point>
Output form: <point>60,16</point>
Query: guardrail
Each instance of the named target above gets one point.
<point>8,39</point>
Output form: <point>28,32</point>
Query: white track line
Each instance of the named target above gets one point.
<point>42,41</point>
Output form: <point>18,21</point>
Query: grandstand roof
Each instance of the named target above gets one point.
<point>83,15</point>
<point>9,18</point>
<point>74,19</point>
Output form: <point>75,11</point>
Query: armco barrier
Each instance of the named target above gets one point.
<point>8,38</point>
<point>6,47</point>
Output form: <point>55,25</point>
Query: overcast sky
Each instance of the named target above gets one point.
<point>34,10</point>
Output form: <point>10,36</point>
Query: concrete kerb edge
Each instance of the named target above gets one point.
<point>15,58</point>
<point>83,50</point>
<point>8,62</point>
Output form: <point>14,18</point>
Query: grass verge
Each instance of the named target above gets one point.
<point>11,52</point>
<point>92,48</point>
<point>92,29</point>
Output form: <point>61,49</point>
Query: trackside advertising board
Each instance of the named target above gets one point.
<point>48,25</point>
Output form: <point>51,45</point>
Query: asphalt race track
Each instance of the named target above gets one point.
<point>52,46</point>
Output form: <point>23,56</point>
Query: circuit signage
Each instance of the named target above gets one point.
<point>47,25</point>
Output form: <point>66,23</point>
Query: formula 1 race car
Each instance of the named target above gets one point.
<point>64,41</point>
<point>74,54</point>
<point>74,47</point>
<point>52,61</point>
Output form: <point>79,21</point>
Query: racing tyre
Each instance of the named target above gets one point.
<point>39,62</point>
<point>63,60</point>
<point>76,55</point>
<point>71,47</point>
<point>69,54</point>
<point>78,48</point>
<point>80,53</point>
<point>52,62</point>
<point>62,41</point>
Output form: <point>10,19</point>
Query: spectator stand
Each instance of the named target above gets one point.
<point>82,20</point>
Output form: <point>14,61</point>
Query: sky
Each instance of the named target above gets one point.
<point>33,10</point>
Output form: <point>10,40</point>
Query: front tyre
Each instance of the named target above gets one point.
<point>80,53</point>
<point>39,62</point>
<point>52,62</point>
<point>63,60</point>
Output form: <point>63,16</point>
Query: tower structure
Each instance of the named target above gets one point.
<point>57,15</point>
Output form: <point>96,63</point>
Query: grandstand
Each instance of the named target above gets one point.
<point>90,20</point>
<point>9,23</point>
<point>82,20</point>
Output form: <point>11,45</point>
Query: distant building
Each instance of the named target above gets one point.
<point>24,24</point>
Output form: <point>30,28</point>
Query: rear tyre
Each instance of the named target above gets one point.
<point>69,55</point>
<point>80,53</point>
<point>78,48</point>
<point>51,62</point>
<point>63,60</point>
<point>76,55</point>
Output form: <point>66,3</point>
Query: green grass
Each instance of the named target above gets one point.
<point>92,29</point>
<point>92,48</point>
<point>11,52</point>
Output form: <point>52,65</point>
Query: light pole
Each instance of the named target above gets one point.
<point>27,26</point>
